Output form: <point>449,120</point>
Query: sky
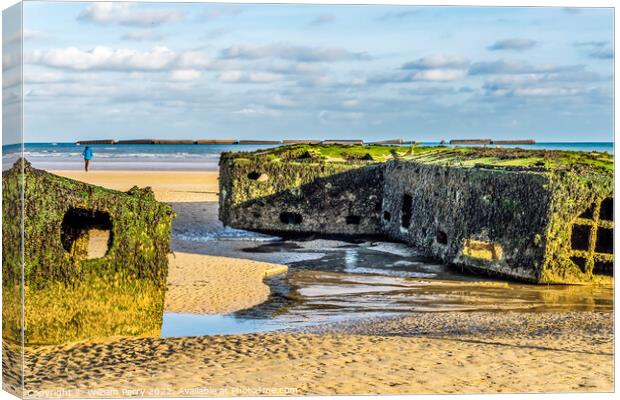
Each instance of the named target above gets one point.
<point>146,70</point>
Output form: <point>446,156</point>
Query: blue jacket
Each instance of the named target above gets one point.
<point>88,153</point>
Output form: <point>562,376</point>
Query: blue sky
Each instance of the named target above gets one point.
<point>122,70</point>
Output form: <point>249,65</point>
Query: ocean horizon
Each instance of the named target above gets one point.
<point>188,157</point>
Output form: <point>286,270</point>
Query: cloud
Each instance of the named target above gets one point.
<point>438,61</point>
<point>602,54</point>
<point>254,110</point>
<point>571,10</point>
<point>279,101</point>
<point>322,19</point>
<point>539,91</point>
<point>194,59</point>
<point>292,52</point>
<point>213,13</point>
<point>439,75</point>
<point>142,36</point>
<point>295,68</point>
<point>516,67</point>
<point>11,60</point>
<point>433,91</point>
<point>56,77</point>
<point>427,75</point>
<point>529,78</point>
<point>181,67</point>
<point>216,33</point>
<point>438,68</point>
<point>184,75</point>
<point>591,43</point>
<point>104,58</point>
<point>600,50</point>
<point>128,14</point>
<point>327,116</point>
<point>249,77</point>
<point>18,36</point>
<point>398,15</point>
<point>514,44</point>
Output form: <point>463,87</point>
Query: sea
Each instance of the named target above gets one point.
<point>186,157</point>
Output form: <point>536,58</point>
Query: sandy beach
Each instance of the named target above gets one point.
<point>169,186</point>
<point>442,353</point>
<point>207,284</point>
<point>448,352</point>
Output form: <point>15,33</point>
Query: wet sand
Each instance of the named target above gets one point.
<point>447,352</point>
<point>207,285</point>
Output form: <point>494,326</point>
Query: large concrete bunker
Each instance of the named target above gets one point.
<point>533,215</point>
<point>95,260</point>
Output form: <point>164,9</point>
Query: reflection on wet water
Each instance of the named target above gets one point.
<point>356,281</point>
<point>181,324</point>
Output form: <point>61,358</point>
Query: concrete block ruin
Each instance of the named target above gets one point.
<point>532,215</point>
<point>95,260</point>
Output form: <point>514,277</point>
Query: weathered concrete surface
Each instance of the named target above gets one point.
<point>301,197</point>
<point>95,260</point>
<point>537,216</point>
<point>452,205</point>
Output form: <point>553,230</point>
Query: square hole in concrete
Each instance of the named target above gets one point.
<point>86,233</point>
<point>580,237</point>
<point>603,268</point>
<point>607,209</point>
<point>588,213</point>
<point>605,241</point>
<point>353,219</point>
<point>580,262</point>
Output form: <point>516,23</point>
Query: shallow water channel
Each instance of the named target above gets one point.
<point>333,281</point>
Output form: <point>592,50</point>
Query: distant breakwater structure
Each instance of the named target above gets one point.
<point>345,142</point>
<point>532,215</point>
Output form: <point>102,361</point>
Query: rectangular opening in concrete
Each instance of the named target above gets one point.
<point>387,216</point>
<point>580,262</point>
<point>257,176</point>
<point>603,268</point>
<point>291,218</point>
<point>607,209</point>
<point>353,219</point>
<point>405,217</point>
<point>580,237</point>
<point>441,237</point>
<point>605,241</point>
<point>588,213</point>
<point>482,250</point>
<point>86,233</point>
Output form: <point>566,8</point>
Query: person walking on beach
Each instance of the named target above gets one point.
<point>88,155</point>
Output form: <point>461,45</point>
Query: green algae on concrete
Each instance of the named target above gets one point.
<point>534,215</point>
<point>307,196</point>
<point>69,293</point>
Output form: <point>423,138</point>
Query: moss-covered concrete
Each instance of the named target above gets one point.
<point>301,196</point>
<point>69,296</point>
<point>533,215</point>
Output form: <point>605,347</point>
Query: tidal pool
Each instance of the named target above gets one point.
<point>351,281</point>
